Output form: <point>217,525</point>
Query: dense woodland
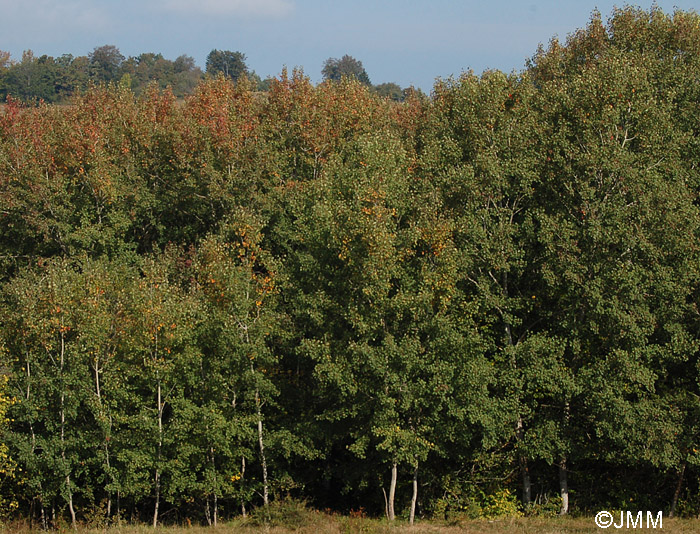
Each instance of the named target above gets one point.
<point>480,302</point>
<point>39,79</point>
<point>56,79</point>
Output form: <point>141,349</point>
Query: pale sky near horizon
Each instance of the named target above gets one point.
<point>410,42</point>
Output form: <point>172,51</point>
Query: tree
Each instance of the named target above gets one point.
<point>48,431</point>
<point>345,67</point>
<point>31,79</point>
<point>71,75</point>
<point>621,268</point>
<point>484,164</point>
<point>230,64</point>
<point>161,333</point>
<point>390,90</point>
<point>105,62</point>
<point>5,59</point>
<point>185,77</point>
<point>374,306</point>
<point>238,282</point>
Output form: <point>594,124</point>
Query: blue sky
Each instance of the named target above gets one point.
<point>409,42</point>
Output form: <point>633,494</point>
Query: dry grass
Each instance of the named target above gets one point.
<point>318,523</point>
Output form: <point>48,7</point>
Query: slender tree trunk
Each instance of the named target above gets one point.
<point>524,470</point>
<point>563,487</point>
<point>109,493</point>
<point>207,513</point>
<point>213,465</point>
<point>527,484</point>
<point>392,491</point>
<point>44,524</point>
<point>563,471</point>
<point>261,444</point>
<point>244,512</point>
<point>105,444</point>
<point>414,497</point>
<point>69,491</point>
<point>70,500</point>
<point>679,488</point>
<point>157,505</point>
<point>158,453</point>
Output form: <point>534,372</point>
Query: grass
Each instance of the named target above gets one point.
<point>315,522</point>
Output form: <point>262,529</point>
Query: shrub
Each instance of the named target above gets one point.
<point>290,513</point>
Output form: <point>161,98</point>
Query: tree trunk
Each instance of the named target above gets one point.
<point>563,473</point>
<point>213,465</point>
<point>524,470</point>
<point>109,493</point>
<point>563,487</point>
<point>157,505</point>
<point>527,484</point>
<point>244,512</point>
<point>392,491</point>
<point>69,491</point>
<point>158,453</point>
<point>105,444</point>
<point>261,444</point>
<point>70,504</point>
<point>677,493</point>
<point>44,524</point>
<point>414,498</point>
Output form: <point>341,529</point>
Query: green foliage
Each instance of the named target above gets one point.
<point>49,79</point>
<point>346,67</point>
<point>8,467</point>
<point>229,64</point>
<point>289,513</point>
<point>301,291</point>
<point>502,503</point>
<point>391,91</point>
<point>105,63</point>
<point>459,503</point>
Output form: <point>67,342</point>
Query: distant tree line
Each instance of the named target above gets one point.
<point>335,70</point>
<point>477,304</point>
<point>56,79</point>
<point>52,80</point>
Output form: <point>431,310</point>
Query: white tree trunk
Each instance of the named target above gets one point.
<point>105,444</point>
<point>244,512</point>
<point>414,497</point>
<point>261,444</point>
<point>69,491</point>
<point>216,502</point>
<point>563,487</point>
<point>392,491</point>
<point>160,445</point>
